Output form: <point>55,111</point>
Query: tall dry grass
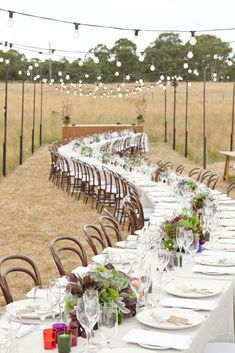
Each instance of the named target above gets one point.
<point>124,110</point>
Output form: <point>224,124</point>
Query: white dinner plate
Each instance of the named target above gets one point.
<point>122,244</point>
<point>192,289</point>
<point>19,305</point>
<point>220,261</point>
<point>219,246</point>
<point>158,317</point>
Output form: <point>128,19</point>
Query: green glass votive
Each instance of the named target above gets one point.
<point>64,342</point>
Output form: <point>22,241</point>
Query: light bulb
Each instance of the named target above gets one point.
<point>141,57</point>
<point>28,73</point>
<point>119,64</point>
<point>214,74</point>
<point>185,65</point>
<point>76,33</point>
<point>193,39</point>
<point>190,54</point>
<point>135,37</point>
<point>30,67</point>
<point>162,77</point>
<point>1,60</point>
<point>189,71</point>
<point>215,56</point>
<point>99,77</point>
<point>116,73</point>
<point>87,75</point>
<point>10,21</point>
<point>5,48</point>
<point>7,61</point>
<point>36,65</point>
<point>67,77</point>
<point>230,62</point>
<point>195,72</point>
<point>152,67</point>
<point>96,60</point>
<point>128,77</point>
<point>80,63</point>
<point>60,73</point>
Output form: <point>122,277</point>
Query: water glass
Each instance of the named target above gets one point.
<point>108,321</point>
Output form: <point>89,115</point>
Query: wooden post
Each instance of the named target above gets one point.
<point>186,120</point>
<point>22,124</point>
<point>232,127</point>
<point>204,119</point>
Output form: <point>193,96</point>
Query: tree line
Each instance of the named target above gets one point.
<point>166,56</point>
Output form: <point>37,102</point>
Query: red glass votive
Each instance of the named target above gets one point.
<point>49,338</point>
<point>74,333</point>
<point>59,328</point>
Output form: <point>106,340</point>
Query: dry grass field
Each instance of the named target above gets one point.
<point>33,211</point>
<point>124,110</point>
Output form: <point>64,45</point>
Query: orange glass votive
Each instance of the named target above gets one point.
<point>49,338</point>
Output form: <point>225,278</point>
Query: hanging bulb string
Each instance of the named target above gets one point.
<point>117,27</point>
<point>26,47</point>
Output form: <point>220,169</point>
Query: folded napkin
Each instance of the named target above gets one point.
<point>132,237</point>
<point>189,303</point>
<point>219,253</point>
<point>24,330</point>
<point>226,241</point>
<point>213,269</point>
<point>227,234</point>
<point>21,330</point>
<point>227,222</point>
<point>81,270</point>
<point>160,339</point>
<point>227,214</point>
<point>42,293</point>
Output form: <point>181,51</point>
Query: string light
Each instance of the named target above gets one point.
<point>193,39</point>
<point>1,59</point>
<point>190,54</point>
<point>136,33</point>
<point>60,73</point>
<point>229,62</point>
<point>96,60</point>
<point>80,63</point>
<point>185,65</point>
<point>128,77</point>
<point>67,77</point>
<point>76,33</point>
<point>118,63</point>
<point>162,77</point>
<point>116,73</point>
<point>152,67</point>
<point>86,75</point>
<point>10,21</point>
<point>141,57</point>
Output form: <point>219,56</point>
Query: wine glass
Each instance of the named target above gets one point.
<point>54,296</point>
<point>108,321</point>
<point>188,239</point>
<point>87,312</point>
<point>180,239</point>
<point>193,247</point>
<point>162,260</point>
<point>140,279</point>
<point>41,304</point>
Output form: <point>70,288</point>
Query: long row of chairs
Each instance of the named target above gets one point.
<point>97,238</point>
<point>131,145</point>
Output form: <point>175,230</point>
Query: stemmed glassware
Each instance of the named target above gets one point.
<point>193,247</point>
<point>180,238</point>
<point>140,280</point>
<point>41,304</point>
<point>54,297</point>
<point>188,239</point>
<point>87,312</point>
<point>108,321</point>
<point>162,260</point>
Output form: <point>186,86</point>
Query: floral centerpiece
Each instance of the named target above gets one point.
<point>112,286</point>
<point>106,156</point>
<point>86,151</point>
<point>199,201</point>
<point>186,185</point>
<point>183,220</point>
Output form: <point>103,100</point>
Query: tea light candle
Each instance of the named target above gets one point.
<point>64,342</point>
<point>59,327</point>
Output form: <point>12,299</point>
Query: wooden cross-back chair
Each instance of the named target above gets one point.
<point>69,244</point>
<point>16,263</point>
<point>111,229</point>
<point>94,238</point>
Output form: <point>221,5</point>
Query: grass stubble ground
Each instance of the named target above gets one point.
<point>33,211</point>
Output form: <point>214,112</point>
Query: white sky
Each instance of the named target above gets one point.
<point>150,14</point>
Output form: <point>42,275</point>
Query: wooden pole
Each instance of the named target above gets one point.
<point>186,120</point>
<point>204,119</point>
<point>34,113</point>
<point>232,126</point>
<point>22,124</point>
<point>4,149</point>
<point>41,105</point>
<point>165,112</point>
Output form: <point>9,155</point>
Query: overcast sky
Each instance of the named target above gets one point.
<point>149,14</point>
